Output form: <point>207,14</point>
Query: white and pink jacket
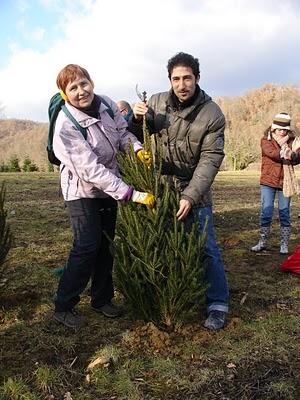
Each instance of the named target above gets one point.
<point>89,167</point>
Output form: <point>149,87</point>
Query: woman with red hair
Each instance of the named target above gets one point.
<point>91,186</point>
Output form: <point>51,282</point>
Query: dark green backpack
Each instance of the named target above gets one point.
<point>56,104</point>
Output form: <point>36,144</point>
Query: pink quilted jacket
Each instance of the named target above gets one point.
<point>89,166</point>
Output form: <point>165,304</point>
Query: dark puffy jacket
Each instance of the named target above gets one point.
<point>192,142</point>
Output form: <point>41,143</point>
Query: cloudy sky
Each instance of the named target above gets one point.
<point>241,45</point>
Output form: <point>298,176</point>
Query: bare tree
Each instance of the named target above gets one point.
<point>248,116</point>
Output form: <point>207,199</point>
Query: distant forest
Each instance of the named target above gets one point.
<point>247,117</point>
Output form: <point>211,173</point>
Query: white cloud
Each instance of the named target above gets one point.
<point>22,5</point>
<point>38,34</point>
<point>240,45</point>
<point>48,3</point>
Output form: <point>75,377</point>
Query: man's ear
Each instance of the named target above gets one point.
<point>92,84</point>
<point>198,79</point>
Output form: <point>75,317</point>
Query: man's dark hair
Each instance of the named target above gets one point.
<point>185,60</point>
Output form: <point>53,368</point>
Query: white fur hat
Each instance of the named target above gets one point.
<point>281,121</point>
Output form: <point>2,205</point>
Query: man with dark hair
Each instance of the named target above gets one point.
<point>190,127</point>
<point>183,59</point>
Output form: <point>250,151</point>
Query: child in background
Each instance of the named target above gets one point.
<point>277,177</point>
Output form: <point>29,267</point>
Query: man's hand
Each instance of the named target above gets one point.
<point>184,209</point>
<point>139,110</point>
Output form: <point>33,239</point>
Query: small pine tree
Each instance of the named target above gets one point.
<point>13,164</point>
<point>3,167</point>
<point>29,166</point>
<point>5,235</point>
<point>158,261</point>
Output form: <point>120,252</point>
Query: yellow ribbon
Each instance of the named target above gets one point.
<point>63,95</point>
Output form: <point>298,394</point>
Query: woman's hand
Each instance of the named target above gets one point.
<point>287,153</point>
<point>143,198</point>
<point>145,157</point>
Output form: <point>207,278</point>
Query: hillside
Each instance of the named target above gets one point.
<point>247,117</point>
<point>23,138</point>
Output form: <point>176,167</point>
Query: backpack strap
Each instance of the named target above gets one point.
<point>109,109</point>
<point>76,123</point>
<point>71,118</point>
<point>54,108</point>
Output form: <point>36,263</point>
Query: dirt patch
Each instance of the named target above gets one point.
<point>152,340</point>
<point>15,299</point>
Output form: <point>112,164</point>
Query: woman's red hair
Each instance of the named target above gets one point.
<point>69,74</point>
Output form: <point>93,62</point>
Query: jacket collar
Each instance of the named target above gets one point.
<point>84,119</point>
<point>200,99</point>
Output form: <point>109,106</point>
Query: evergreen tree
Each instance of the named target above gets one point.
<point>13,164</point>
<point>158,260</point>
<point>5,236</point>
<point>3,167</point>
<point>29,166</point>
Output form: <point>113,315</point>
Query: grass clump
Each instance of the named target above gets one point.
<point>47,378</point>
<point>16,389</point>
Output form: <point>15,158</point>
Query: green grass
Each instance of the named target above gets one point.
<point>255,357</point>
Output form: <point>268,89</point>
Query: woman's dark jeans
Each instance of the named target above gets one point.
<point>90,256</point>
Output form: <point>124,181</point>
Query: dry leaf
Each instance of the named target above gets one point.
<point>104,361</point>
<point>282,306</point>
<point>231,365</point>
<point>244,298</point>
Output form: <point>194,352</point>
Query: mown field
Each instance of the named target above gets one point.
<point>256,356</point>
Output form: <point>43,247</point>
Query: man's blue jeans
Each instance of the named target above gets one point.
<point>90,256</point>
<point>267,206</point>
<point>217,294</point>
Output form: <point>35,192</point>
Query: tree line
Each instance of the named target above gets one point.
<point>247,117</point>
<point>15,165</point>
